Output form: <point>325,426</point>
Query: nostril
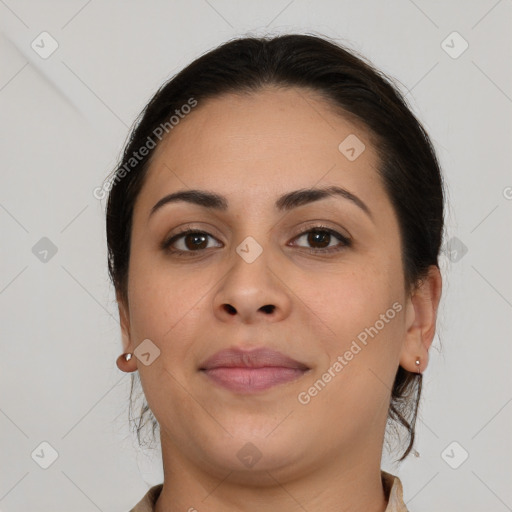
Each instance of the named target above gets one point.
<point>230,309</point>
<point>268,309</point>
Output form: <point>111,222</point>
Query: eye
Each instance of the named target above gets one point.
<point>191,241</point>
<point>188,240</point>
<point>324,236</point>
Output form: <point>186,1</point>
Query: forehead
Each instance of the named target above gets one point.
<point>254,147</point>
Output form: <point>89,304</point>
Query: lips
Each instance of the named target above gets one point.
<point>257,358</point>
<point>245,371</point>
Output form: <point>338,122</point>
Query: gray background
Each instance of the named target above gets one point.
<point>64,119</point>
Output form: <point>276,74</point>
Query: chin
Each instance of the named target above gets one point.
<point>251,458</point>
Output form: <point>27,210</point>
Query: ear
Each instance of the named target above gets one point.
<point>124,320</point>
<point>124,365</point>
<point>421,315</point>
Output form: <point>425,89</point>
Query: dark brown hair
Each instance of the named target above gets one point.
<point>408,165</point>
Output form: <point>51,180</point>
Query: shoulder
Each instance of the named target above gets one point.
<point>147,503</point>
<point>391,483</point>
<point>394,492</point>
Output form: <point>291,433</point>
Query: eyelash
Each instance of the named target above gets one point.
<point>166,244</point>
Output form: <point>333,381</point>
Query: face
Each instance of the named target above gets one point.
<point>320,281</point>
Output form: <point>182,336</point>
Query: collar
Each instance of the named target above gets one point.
<point>392,488</point>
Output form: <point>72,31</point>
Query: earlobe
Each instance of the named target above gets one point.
<point>126,362</point>
<point>421,316</point>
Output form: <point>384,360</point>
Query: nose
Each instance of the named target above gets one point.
<point>252,292</point>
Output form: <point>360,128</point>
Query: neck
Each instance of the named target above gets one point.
<point>340,485</point>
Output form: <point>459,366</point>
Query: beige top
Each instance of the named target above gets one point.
<point>392,488</point>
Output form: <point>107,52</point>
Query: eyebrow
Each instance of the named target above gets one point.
<point>286,202</point>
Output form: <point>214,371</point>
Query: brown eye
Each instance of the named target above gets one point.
<point>187,241</point>
<point>195,241</point>
<point>321,239</point>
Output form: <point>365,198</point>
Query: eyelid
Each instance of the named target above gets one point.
<point>192,226</point>
<point>323,225</point>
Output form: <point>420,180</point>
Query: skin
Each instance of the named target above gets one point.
<point>323,455</point>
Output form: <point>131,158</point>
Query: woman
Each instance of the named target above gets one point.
<point>273,230</point>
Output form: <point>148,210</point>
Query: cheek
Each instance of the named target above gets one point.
<point>342,306</point>
<point>167,305</point>
<point>358,322</point>
<point>155,288</point>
